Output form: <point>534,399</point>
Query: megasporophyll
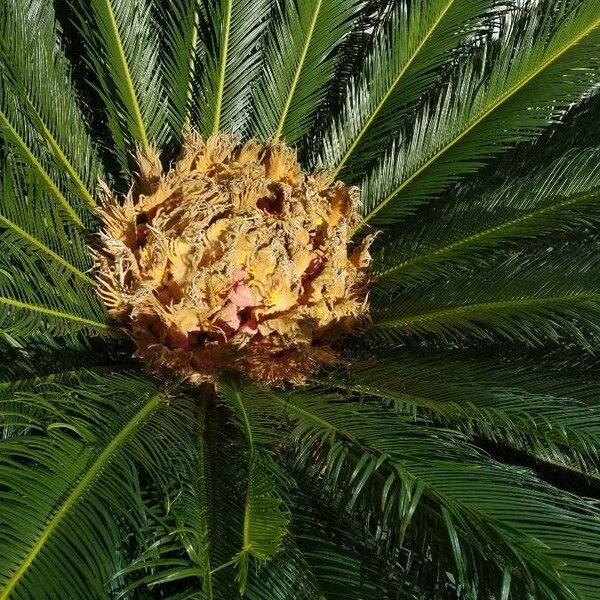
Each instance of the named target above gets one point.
<point>234,258</point>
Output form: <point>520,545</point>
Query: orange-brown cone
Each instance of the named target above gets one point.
<point>233,259</point>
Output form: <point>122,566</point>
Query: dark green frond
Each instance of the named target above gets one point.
<point>43,291</point>
<point>265,519</point>
<point>553,294</point>
<point>32,215</point>
<point>121,45</point>
<point>181,43</point>
<point>547,58</point>
<point>423,482</point>
<point>31,304</point>
<point>23,151</point>
<point>473,227</point>
<point>345,561</point>
<point>286,577</point>
<point>555,420</point>
<point>53,127</point>
<point>327,555</point>
<point>175,545</point>
<point>231,62</point>
<point>66,484</point>
<point>194,530</point>
<point>300,60</point>
<point>408,54</point>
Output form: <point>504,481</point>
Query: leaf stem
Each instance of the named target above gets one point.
<point>222,66</point>
<point>56,313</point>
<point>410,321</point>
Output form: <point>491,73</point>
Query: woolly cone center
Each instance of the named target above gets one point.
<point>233,259</point>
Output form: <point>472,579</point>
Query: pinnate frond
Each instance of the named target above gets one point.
<point>549,295</point>
<point>407,57</point>
<point>230,63</point>
<point>300,60</point>
<point>46,97</point>
<point>489,398</point>
<point>406,479</point>
<point>472,227</point>
<point>44,288</point>
<point>181,49</point>
<point>265,519</point>
<point>544,59</point>
<point>68,482</point>
<point>121,46</point>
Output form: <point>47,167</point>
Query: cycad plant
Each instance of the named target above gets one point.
<point>300,299</point>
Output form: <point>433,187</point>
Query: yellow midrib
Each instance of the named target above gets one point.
<point>222,67</point>
<point>496,305</point>
<point>55,313</point>
<point>483,234</point>
<point>131,93</point>
<point>35,163</point>
<point>32,240</point>
<point>60,155</point>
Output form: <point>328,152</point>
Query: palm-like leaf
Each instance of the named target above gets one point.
<point>408,471</point>
<point>264,520</point>
<point>122,48</point>
<point>545,416</point>
<point>231,63</point>
<point>545,61</point>
<point>78,442</point>
<point>46,96</point>
<point>406,58</point>
<point>300,62</point>
<point>475,227</point>
<point>42,291</point>
<point>525,305</point>
<point>181,58</point>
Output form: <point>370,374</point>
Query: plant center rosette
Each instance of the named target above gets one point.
<point>234,259</point>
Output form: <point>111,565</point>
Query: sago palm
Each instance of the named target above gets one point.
<point>300,299</point>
